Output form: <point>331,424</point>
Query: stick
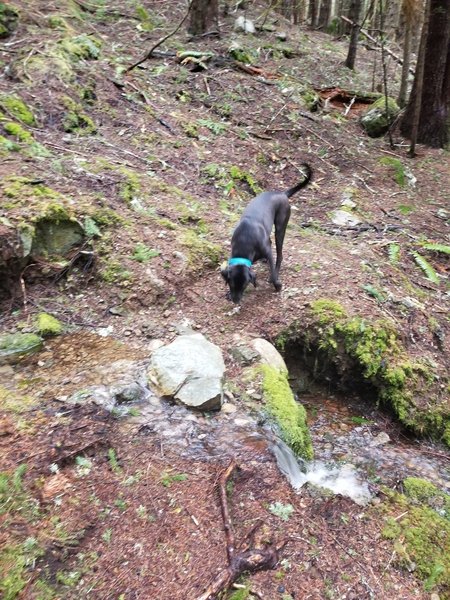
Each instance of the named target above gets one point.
<point>161,41</point>
<point>247,560</point>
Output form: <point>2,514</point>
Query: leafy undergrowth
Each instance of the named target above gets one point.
<point>148,172</point>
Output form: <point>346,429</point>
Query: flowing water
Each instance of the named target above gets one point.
<point>355,445</point>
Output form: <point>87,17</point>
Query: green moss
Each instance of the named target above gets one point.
<point>130,187</point>
<point>13,346</point>
<point>57,22</point>
<point>238,175</point>
<point>201,252</point>
<point>18,132</point>
<point>311,99</point>
<point>7,145</point>
<point>17,108</point>
<point>15,402</point>
<point>420,491</point>
<point>421,537</point>
<point>289,414</point>
<point>33,148</point>
<point>371,353</point>
<point>54,65</point>
<point>327,311</point>
<point>82,47</point>
<point>76,120</point>
<point>48,325</point>
<point>8,19</point>
<point>376,120</point>
<point>398,168</point>
<point>15,564</point>
<point>114,272</point>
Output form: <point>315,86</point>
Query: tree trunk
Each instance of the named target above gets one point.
<point>434,98</point>
<point>314,7</point>
<point>410,18</point>
<point>204,16</point>
<point>405,67</point>
<point>355,9</point>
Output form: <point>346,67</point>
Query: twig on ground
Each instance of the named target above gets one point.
<point>148,54</point>
<point>247,558</point>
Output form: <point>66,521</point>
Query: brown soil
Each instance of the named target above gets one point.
<point>135,530</point>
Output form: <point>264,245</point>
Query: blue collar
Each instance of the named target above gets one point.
<point>240,261</point>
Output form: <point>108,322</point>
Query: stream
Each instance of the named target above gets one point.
<point>355,444</point>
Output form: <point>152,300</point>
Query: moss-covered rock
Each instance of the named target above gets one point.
<point>377,120</point>
<point>14,346</point>
<point>81,47</point>
<point>46,223</point>
<point>9,18</point>
<point>47,325</point>
<point>289,415</point>
<point>355,352</point>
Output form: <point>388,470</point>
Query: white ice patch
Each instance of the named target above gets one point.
<point>340,479</point>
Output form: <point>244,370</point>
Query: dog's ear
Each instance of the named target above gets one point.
<point>252,277</point>
<point>225,274</point>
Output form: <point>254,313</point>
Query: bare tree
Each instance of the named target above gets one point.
<point>431,93</point>
<point>354,15</point>
<point>410,12</point>
<point>204,15</point>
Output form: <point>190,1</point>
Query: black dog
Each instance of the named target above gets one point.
<point>251,238</point>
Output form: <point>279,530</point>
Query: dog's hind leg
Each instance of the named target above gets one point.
<point>281,223</point>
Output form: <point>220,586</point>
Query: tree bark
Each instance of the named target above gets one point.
<point>355,10</point>
<point>204,16</point>
<point>433,100</point>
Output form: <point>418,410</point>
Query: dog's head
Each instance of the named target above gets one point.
<point>238,277</point>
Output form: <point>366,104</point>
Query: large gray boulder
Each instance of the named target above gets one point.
<point>190,370</point>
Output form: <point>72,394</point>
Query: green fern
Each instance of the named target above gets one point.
<point>437,248</point>
<point>394,253</point>
<point>426,267</point>
<point>374,293</point>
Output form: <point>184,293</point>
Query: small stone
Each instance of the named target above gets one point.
<point>117,311</point>
<point>344,219</point>
<point>228,408</point>
<point>380,440</point>
<point>281,35</point>
<point>167,313</point>
<point>241,422</point>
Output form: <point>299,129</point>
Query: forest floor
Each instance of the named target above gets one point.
<point>105,509</point>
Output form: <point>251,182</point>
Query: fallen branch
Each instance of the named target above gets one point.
<point>247,559</point>
<point>161,41</point>
<point>374,41</point>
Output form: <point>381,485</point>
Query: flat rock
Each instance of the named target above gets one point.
<point>344,218</point>
<point>190,370</point>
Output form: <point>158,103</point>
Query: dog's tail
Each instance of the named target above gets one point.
<point>306,169</point>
